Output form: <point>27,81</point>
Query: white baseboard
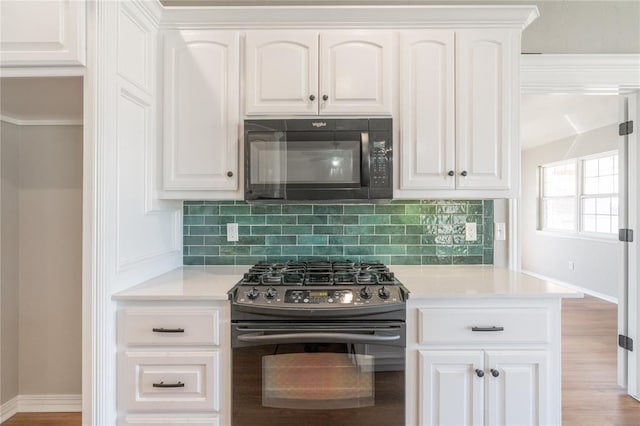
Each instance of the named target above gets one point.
<point>8,409</point>
<point>573,287</point>
<point>40,404</point>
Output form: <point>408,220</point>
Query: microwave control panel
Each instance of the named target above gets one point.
<point>380,157</point>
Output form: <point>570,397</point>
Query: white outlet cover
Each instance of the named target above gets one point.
<point>232,232</point>
<point>470,231</point>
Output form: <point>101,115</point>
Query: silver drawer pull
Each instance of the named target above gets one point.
<point>494,328</point>
<point>168,330</point>
<point>168,385</point>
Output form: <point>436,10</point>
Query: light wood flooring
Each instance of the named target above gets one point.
<point>590,395</point>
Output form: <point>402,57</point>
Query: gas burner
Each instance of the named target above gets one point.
<point>365,278</point>
<point>272,278</point>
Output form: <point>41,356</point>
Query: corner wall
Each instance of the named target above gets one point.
<point>9,279</point>
<point>598,267</point>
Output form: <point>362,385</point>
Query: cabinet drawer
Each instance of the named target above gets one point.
<point>170,327</point>
<point>483,325</point>
<point>171,381</point>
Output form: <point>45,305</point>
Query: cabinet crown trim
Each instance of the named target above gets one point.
<point>433,16</point>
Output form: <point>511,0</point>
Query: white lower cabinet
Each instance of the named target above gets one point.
<point>477,362</point>
<point>172,363</point>
<point>469,387</point>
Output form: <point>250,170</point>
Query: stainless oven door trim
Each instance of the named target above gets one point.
<point>388,333</point>
<point>316,338</point>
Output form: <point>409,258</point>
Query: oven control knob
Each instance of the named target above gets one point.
<point>365,293</point>
<point>253,294</point>
<point>271,293</point>
<point>383,293</point>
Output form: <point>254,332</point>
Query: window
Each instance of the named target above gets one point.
<point>599,197</point>
<point>580,195</point>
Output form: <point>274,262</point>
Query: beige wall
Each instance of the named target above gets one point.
<point>49,201</point>
<point>598,266</point>
<point>9,135</point>
<point>571,26</point>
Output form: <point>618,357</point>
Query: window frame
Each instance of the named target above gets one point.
<point>578,231</point>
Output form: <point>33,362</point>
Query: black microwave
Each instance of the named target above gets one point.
<point>318,160</point>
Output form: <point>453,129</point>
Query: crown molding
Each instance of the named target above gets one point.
<point>580,73</point>
<point>386,16</point>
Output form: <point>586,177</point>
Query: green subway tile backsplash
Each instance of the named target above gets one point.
<point>405,232</point>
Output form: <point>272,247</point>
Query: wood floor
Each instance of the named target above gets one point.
<point>590,395</point>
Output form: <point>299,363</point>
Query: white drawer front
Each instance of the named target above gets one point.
<point>198,372</point>
<point>174,327</point>
<point>492,325</point>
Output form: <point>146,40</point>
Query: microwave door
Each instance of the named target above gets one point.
<point>267,165</point>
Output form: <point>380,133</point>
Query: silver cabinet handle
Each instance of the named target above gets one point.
<point>494,328</point>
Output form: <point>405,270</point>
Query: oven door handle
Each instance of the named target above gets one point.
<point>316,338</point>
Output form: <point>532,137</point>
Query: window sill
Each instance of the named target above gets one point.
<point>607,238</point>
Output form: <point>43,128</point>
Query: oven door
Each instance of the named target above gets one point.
<point>318,374</point>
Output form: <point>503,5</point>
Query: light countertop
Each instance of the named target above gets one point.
<point>424,282</point>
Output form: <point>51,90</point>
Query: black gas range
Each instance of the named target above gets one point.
<point>319,289</point>
<point>318,343</point>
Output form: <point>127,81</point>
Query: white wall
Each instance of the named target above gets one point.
<point>9,280</point>
<point>597,262</point>
<point>50,259</point>
<point>41,260</point>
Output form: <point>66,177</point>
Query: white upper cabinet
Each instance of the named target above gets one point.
<point>485,98</point>
<point>293,72</point>
<point>355,72</point>
<point>459,98</point>
<point>427,115</point>
<point>282,72</point>
<point>42,33</point>
<point>201,113</point>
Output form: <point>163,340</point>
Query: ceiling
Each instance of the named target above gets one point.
<point>41,98</point>
<point>544,118</point>
<point>547,118</point>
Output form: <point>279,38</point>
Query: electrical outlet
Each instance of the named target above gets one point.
<point>499,231</point>
<point>572,266</point>
<point>470,231</point>
<point>232,232</point>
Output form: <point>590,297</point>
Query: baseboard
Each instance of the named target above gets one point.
<point>8,409</point>
<point>573,287</point>
<point>41,404</point>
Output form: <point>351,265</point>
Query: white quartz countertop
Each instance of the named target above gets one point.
<point>424,282</point>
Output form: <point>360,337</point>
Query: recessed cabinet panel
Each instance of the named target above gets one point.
<point>201,110</point>
<point>355,72</point>
<point>484,66</point>
<point>172,381</point>
<point>282,72</point>
<point>426,92</point>
<point>451,391</point>
<point>42,33</point>
<point>517,394</point>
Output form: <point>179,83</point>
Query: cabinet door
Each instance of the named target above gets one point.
<point>451,393</point>
<point>201,117</point>
<point>426,93</point>
<point>519,393</point>
<point>282,72</point>
<point>355,72</point>
<point>486,107</point>
<point>42,33</point>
